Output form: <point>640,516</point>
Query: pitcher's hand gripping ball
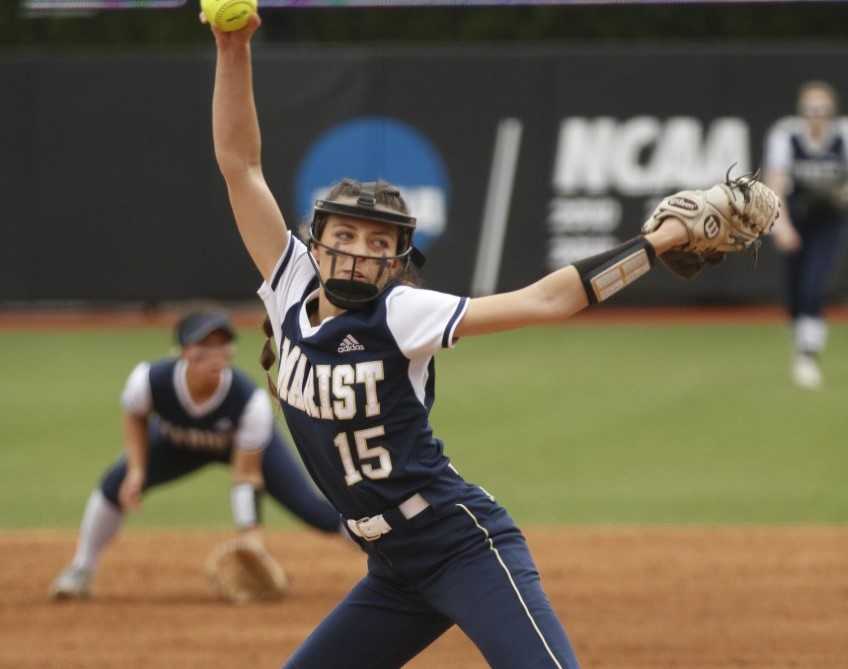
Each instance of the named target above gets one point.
<point>730,216</point>
<point>228,15</point>
<point>242,571</point>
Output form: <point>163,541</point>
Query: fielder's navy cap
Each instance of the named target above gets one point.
<point>196,326</point>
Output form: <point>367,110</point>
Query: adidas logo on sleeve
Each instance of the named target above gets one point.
<point>349,344</point>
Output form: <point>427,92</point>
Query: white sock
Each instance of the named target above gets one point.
<point>810,334</point>
<point>100,523</point>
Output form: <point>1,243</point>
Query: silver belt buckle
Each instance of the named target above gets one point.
<point>369,528</point>
<point>365,530</point>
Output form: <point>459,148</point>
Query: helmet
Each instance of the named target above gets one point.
<point>195,326</point>
<point>349,293</point>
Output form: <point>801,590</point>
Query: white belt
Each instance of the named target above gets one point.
<point>373,527</point>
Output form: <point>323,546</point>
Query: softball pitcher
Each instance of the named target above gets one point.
<point>356,382</point>
<point>181,414</point>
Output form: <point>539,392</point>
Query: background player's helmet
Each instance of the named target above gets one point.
<point>374,201</point>
<point>197,325</point>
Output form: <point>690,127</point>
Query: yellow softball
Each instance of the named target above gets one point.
<point>228,15</point>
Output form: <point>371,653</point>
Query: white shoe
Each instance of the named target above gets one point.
<point>72,583</point>
<point>806,373</point>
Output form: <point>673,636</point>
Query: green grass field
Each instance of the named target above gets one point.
<point>581,424</point>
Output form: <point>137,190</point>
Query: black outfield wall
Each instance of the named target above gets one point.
<point>111,192</point>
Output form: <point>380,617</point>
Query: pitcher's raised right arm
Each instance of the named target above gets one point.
<point>238,150</point>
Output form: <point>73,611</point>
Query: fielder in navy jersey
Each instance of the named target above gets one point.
<point>356,381</point>
<point>806,163</point>
<point>181,414</point>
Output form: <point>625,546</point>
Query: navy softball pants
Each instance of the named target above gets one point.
<point>467,565</point>
<point>809,269</point>
<point>284,477</point>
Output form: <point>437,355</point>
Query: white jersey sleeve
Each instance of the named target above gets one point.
<point>289,279</point>
<point>423,321</point>
<point>137,399</point>
<point>778,146</point>
<point>257,423</point>
<point>841,125</point>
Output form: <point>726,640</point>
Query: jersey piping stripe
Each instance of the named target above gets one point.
<point>511,582</point>
<point>282,268</point>
<point>449,328</point>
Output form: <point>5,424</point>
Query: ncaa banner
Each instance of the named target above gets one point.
<point>516,160</point>
<point>553,154</point>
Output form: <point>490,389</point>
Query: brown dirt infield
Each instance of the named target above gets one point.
<point>634,598</point>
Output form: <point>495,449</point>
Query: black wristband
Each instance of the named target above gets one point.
<point>603,275</point>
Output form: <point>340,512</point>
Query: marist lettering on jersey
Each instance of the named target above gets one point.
<point>327,391</point>
<point>196,439</point>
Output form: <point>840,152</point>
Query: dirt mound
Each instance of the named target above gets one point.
<point>630,598</point>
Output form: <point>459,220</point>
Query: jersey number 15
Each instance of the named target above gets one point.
<point>379,470</point>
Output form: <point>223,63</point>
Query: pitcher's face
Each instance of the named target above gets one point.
<point>363,248</point>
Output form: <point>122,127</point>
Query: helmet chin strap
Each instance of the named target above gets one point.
<point>349,293</point>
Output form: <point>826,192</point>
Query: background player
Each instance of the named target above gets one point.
<point>357,382</point>
<point>181,414</point>
<point>806,163</point>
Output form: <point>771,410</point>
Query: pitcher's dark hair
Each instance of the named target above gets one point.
<point>268,356</point>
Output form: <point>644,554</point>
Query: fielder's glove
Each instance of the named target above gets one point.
<point>730,216</point>
<point>241,570</point>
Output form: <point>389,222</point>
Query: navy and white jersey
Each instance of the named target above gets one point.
<point>357,389</point>
<point>816,169</point>
<point>237,415</point>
